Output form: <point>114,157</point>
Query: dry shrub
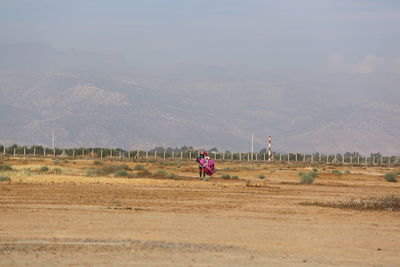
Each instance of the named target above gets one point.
<point>225,176</point>
<point>26,171</point>
<point>121,173</point>
<point>106,170</point>
<point>57,171</point>
<point>90,173</point>
<point>5,167</point>
<point>5,179</point>
<point>43,169</point>
<point>160,174</point>
<point>307,178</point>
<point>391,177</point>
<point>172,176</point>
<point>138,167</point>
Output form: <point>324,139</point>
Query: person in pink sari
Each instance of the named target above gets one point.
<point>206,164</point>
<point>200,160</point>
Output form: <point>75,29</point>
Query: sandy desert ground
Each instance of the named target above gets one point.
<point>72,215</point>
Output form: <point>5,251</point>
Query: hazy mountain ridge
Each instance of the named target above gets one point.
<point>82,113</point>
<point>304,113</point>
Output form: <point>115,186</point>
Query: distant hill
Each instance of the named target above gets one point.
<point>96,100</point>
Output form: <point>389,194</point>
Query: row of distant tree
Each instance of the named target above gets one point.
<point>158,149</point>
<point>41,149</point>
<point>184,149</point>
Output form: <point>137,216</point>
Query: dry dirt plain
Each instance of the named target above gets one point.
<point>68,218</point>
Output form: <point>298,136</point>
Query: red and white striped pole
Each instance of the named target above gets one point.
<point>269,148</point>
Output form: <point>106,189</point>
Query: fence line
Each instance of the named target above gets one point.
<point>103,153</point>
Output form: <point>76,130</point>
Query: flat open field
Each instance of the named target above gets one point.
<point>77,213</point>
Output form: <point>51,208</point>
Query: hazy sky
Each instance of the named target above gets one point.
<point>357,36</point>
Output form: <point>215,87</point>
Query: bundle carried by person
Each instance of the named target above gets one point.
<point>208,165</point>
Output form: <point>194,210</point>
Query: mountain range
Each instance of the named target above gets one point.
<point>97,99</point>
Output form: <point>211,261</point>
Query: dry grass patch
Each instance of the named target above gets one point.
<point>164,174</point>
<point>250,183</point>
<point>112,169</point>
<point>390,202</point>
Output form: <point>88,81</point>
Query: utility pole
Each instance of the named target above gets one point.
<point>52,141</point>
<point>252,145</point>
<point>270,148</point>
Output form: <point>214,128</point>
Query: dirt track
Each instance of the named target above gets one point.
<point>189,222</point>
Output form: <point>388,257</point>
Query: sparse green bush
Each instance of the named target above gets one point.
<point>5,179</point>
<point>225,176</point>
<point>235,177</point>
<point>261,176</point>
<point>178,164</point>
<point>315,170</point>
<point>44,169</point>
<point>336,172</point>
<point>171,176</point>
<point>56,162</point>
<point>160,173</point>
<point>307,178</point>
<point>90,172</point>
<point>57,171</point>
<point>5,167</point>
<point>97,162</point>
<point>391,177</point>
<point>121,173</point>
<point>106,170</point>
<point>138,167</point>
<point>26,171</point>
